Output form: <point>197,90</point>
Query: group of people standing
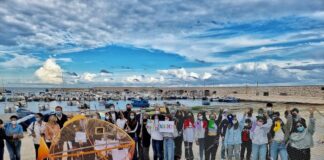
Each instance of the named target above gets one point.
<point>44,126</point>
<point>261,136</point>
<point>241,136</point>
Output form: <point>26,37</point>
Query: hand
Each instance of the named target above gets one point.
<point>14,136</point>
<point>33,135</point>
<point>288,108</point>
<point>311,110</point>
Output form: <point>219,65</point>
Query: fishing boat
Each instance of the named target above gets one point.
<point>2,98</point>
<point>43,107</point>
<point>229,100</point>
<point>140,103</point>
<point>205,101</point>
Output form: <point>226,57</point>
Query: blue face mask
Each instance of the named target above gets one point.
<point>300,129</point>
<point>58,112</point>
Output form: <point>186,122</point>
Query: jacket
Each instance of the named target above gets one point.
<point>234,136</point>
<point>200,129</point>
<point>259,133</point>
<point>303,140</point>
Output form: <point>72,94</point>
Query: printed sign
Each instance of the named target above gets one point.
<point>161,126</point>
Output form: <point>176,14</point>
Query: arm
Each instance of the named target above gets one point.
<point>219,119</point>
<point>226,139</point>
<point>241,124</point>
<point>30,129</point>
<point>135,129</point>
<point>311,125</point>
<point>21,132</point>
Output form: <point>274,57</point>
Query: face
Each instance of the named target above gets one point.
<point>58,109</point>
<point>53,119</point>
<point>13,119</point>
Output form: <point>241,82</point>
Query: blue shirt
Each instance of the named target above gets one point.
<point>10,130</point>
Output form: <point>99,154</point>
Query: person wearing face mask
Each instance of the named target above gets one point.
<point>233,139</point>
<point>128,110</point>
<point>246,140</point>
<point>212,135</point>
<point>132,128</point>
<point>189,135</point>
<point>301,140</point>
<point>14,132</point>
<point>223,128</point>
<point>259,137</point>
<point>269,109</point>
<point>109,118</point>
<point>168,141</point>
<point>52,129</point>
<point>139,118</point>
<point>121,121</point>
<point>36,130</point>
<point>179,118</point>
<point>113,113</point>
<point>157,138</point>
<point>61,118</point>
<point>249,115</point>
<point>146,139</point>
<point>279,135</point>
<point>200,129</point>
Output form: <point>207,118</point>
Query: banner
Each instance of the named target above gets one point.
<point>161,126</point>
<point>166,126</point>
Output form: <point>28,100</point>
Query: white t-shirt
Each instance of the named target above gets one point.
<point>121,123</point>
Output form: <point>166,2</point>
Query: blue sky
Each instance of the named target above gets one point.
<point>161,43</point>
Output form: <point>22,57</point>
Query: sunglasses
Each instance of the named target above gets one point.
<point>299,125</point>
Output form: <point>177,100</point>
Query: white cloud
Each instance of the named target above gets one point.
<point>68,26</point>
<point>183,74</point>
<point>20,61</point>
<point>144,79</point>
<point>88,76</point>
<point>50,72</point>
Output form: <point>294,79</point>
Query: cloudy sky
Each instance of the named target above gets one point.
<point>161,43</point>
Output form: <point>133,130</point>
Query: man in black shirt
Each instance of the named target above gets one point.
<point>61,118</point>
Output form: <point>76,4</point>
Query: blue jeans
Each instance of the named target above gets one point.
<point>223,150</point>
<point>278,148</point>
<point>201,142</point>
<point>157,149</point>
<point>259,152</point>
<point>168,145</point>
<point>14,149</point>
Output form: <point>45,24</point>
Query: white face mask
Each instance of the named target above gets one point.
<point>38,119</point>
<point>14,122</point>
<point>131,117</point>
<point>200,117</point>
<point>157,112</point>
<point>112,109</point>
<point>167,119</point>
<point>234,121</point>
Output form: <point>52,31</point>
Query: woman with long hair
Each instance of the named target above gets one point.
<point>233,138</point>
<point>52,129</point>
<point>189,135</point>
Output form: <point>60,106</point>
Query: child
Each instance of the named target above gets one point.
<point>200,129</point>
<point>188,135</point>
<point>233,138</point>
<point>246,140</point>
<point>168,141</point>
